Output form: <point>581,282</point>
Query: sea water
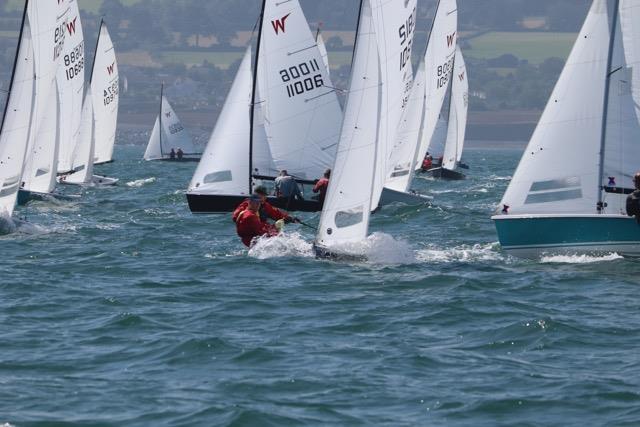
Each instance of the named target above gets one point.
<point>122,308</point>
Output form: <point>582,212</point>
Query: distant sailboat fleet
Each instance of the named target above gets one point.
<point>283,118</point>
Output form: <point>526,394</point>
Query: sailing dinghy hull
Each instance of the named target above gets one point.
<point>337,256</point>
<point>444,173</point>
<point>411,199</point>
<point>535,236</point>
<point>219,204</point>
<point>24,197</point>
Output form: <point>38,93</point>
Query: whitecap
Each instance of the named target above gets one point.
<point>379,248</point>
<point>464,253</point>
<point>283,245</point>
<point>140,182</point>
<point>579,259</point>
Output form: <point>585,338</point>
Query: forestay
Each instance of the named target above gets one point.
<point>14,133</point>
<point>346,211</point>
<point>224,166</point>
<point>49,27</point>
<point>559,170</point>
<point>439,58</point>
<point>70,81</point>
<point>84,152</point>
<point>105,89</point>
<point>302,115</point>
<point>394,25</point>
<point>457,114</point>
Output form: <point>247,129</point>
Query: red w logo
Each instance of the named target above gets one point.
<point>461,77</point>
<point>110,68</point>
<point>451,39</point>
<point>71,26</point>
<point>278,24</point>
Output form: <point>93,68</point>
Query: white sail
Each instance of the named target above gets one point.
<point>458,114</point>
<point>224,166</point>
<point>14,133</point>
<point>323,51</point>
<point>346,212</point>
<point>48,24</point>
<point>622,142</point>
<point>439,58</point>
<point>105,89</point>
<point>84,152</point>
<point>394,26</point>
<point>405,151</point>
<point>559,170</point>
<point>70,81</point>
<point>168,133</point>
<point>301,109</point>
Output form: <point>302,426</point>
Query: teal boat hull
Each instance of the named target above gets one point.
<point>536,236</point>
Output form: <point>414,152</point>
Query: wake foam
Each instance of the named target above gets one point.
<point>465,253</point>
<point>281,246</point>
<point>579,259</point>
<point>379,248</point>
<point>140,182</point>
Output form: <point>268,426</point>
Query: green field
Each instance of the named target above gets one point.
<point>532,46</point>
<point>89,5</point>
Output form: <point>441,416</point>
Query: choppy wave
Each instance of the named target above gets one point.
<point>464,253</point>
<point>284,245</point>
<point>579,259</point>
<point>140,182</point>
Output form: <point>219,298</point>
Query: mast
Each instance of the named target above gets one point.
<point>160,119</point>
<point>95,52</point>
<point>253,96</point>
<point>605,114</point>
<point>15,63</point>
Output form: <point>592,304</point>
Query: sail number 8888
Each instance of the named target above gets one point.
<point>302,78</point>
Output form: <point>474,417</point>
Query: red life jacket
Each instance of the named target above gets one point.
<point>249,226</point>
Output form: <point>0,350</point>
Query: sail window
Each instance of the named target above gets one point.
<point>554,196</point>
<point>220,176</point>
<point>344,219</point>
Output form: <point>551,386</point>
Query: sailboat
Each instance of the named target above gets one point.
<point>418,122</point>
<point>568,193</point>
<point>369,127</point>
<point>105,89</point>
<point>293,118</point>
<point>169,136</point>
<point>41,162</point>
<point>456,124</point>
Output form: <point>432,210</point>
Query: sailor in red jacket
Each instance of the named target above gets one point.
<point>248,223</point>
<point>322,185</point>
<point>427,163</point>
<point>266,211</point>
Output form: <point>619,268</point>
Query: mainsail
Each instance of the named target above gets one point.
<point>105,89</point>
<point>84,153</point>
<point>559,170</point>
<point>458,111</point>
<point>48,24</point>
<point>70,81</point>
<point>302,114</point>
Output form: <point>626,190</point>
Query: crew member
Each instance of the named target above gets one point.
<point>248,223</point>
<point>172,154</point>
<point>265,210</point>
<point>633,201</point>
<point>322,185</point>
<point>427,163</point>
<point>287,187</point>
<point>180,153</point>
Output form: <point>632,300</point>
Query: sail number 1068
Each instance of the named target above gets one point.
<point>302,78</point>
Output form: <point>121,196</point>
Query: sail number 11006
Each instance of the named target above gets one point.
<point>302,78</point>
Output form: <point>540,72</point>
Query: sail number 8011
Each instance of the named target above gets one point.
<point>301,78</point>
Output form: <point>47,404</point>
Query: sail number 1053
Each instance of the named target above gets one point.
<point>302,78</point>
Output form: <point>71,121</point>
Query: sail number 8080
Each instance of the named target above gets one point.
<point>299,78</point>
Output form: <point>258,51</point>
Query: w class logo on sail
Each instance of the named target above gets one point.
<point>451,39</point>
<point>111,68</point>
<point>278,24</point>
<point>71,26</point>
